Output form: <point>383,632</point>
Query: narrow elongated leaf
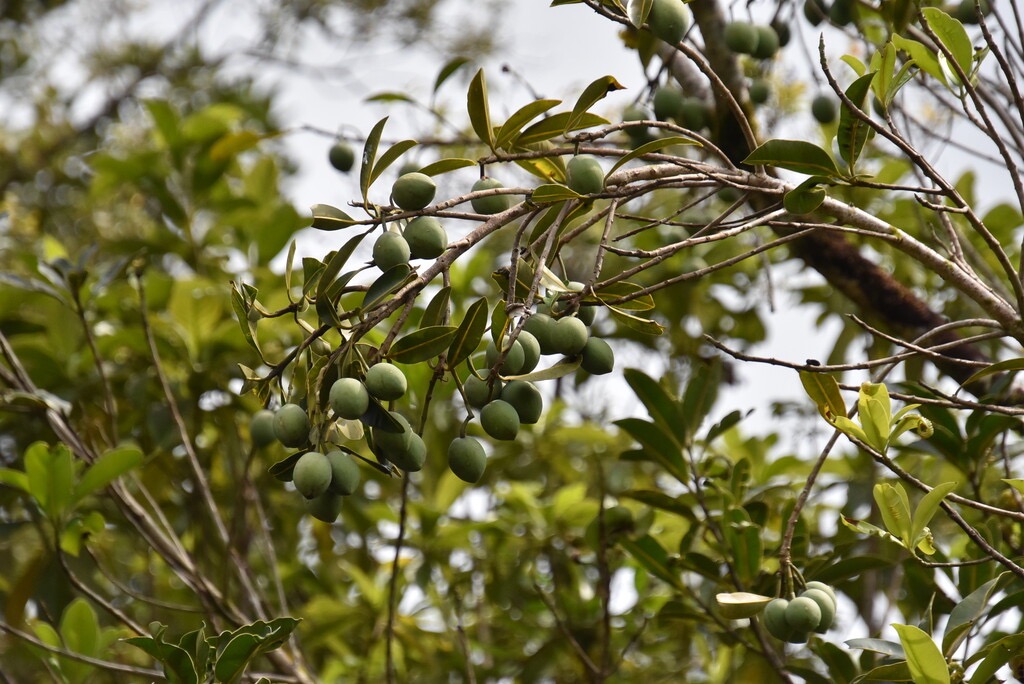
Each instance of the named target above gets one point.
<point>370,156</point>
<point>1008,366</point>
<point>927,666</point>
<point>561,368</point>
<point>591,95</point>
<point>642,325</point>
<point>824,392</point>
<point>446,72</point>
<point>661,405</point>
<point>424,344</point>
<point>446,165</point>
<point>469,333</point>
<point>479,110</point>
<point>336,263</point>
<point>552,192</point>
<point>967,612</point>
<point>437,310</point>
<point>887,648</point>
<point>922,55</point>
<point>998,655</point>
<point>107,468</point>
<point>853,133</point>
<point>624,288</point>
<point>50,472</point>
<point>235,657</point>
<point>637,11</point>
<point>699,396</point>
<point>657,443</point>
<point>388,282</point>
<point>652,557</point>
<point>927,508</point>
<point>794,155</point>
<point>894,672</point>
<point>389,157</point>
<point>524,115</point>
<point>554,126</point>
<point>651,147</point>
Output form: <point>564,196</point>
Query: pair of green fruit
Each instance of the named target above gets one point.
<point>288,425</point>
<point>760,41</point>
<point>414,191</point>
<point>570,336</point>
<point>323,479</point>
<point>423,238</point>
<point>814,610</point>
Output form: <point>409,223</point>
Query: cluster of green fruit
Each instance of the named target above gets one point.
<point>839,12</point>
<point>760,41</point>
<point>814,610</point>
<point>670,104</point>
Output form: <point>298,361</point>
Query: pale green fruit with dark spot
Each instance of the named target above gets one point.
<point>326,507</point>
<point>541,325</point>
<point>569,336</point>
<point>669,20</point>
<point>390,250</point>
<point>342,156</point>
<point>759,91</point>
<point>426,237</point>
<point>531,350</point>
<point>824,109</point>
<point>667,103</point>
<point>413,191</point>
<point>467,459</point>
<point>584,175</point>
<point>827,606</point>
<point>500,420</point>
<point>775,619</point>
<point>741,37</point>
<point>526,399</point>
<point>803,614</point>
<point>344,473</point>
<point>821,586</point>
<point>261,428</point>
<point>291,425</point>
<point>385,382</point>
<point>312,474</point>
<point>491,204</point>
<point>478,392</point>
<point>767,42</point>
<point>598,357</point>
<point>349,398</point>
<point>515,357</point>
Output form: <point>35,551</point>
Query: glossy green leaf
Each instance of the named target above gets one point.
<point>422,345</point>
<point>15,478</point>
<point>446,165</point>
<point>561,368</point>
<point>370,157</point>
<point>389,157</point>
<point>894,505</point>
<point>1008,366</point>
<point>923,56</point>
<point>794,155</point>
<point>642,325</point>
<point>337,262</point>
<point>436,312</point>
<point>853,132</point>
<point>234,658</point>
<point>552,192</point>
<point>966,614</point>
<point>998,654</point>
<point>806,197</point>
<point>447,71</point>
<point>469,333</point>
<point>591,95</point>
<point>650,148</point>
<point>479,110</point>
<point>80,628</point>
<point>952,35</point>
<point>524,115</point>
<point>554,126</point>
<point>890,649</point>
<point>657,444</point>
<point>824,392</point>
<point>928,507</point>
<point>894,672</point>
<point>927,666</point>
<point>107,468</point>
<point>388,282</point>
<point>652,557</point>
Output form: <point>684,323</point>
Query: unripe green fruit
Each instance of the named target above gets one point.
<point>759,91</point>
<point>526,399</point>
<point>413,457</point>
<point>385,382</point>
<point>467,459</point>
<point>478,393</point>
<point>261,428</point>
<point>815,11</point>
<point>514,358</point>
<point>637,134</point>
<point>341,156</point>
<point>500,420</point>
<point>587,314</point>
<point>405,449</point>
<point>531,350</point>
<point>826,605</point>
<point>824,109</point>
<point>569,336</point>
<point>965,13</point>
<point>783,32</point>
<point>344,473</point>
<point>775,619</point>
<point>741,37</point>
<point>767,42</point>
<point>291,425</point>
<point>669,20</point>
<point>598,357</point>
<point>326,507</point>
<point>668,102</point>
<point>349,398</point>
<point>426,237</point>
<point>390,250</point>
<point>413,191</point>
<point>695,114</point>
<point>312,474</point>
<point>821,586</point>
<point>618,520</point>
<point>841,12</point>
<point>541,325</point>
<point>584,175</point>
<point>492,204</point>
<point>803,614</point>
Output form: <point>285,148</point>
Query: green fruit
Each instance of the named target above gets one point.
<point>965,11</point>
<point>741,37</point>
<point>261,428</point>
<point>803,614</point>
<point>349,398</point>
<point>515,357</point>
<point>478,392</point>
<point>668,102</point>
<point>598,357</point>
<point>411,459</point>
<point>775,619</point>
<point>541,325</point>
<point>815,11</point>
<point>767,42</point>
<point>492,204</point>
<point>759,91</point>
<point>426,237</point>
<point>467,459</point>
<point>824,109</point>
<point>291,425</point>
<point>413,191</point>
<point>341,156</point>
<point>526,399</point>
<point>344,473</point>
<point>405,449</point>
<point>390,250</point>
<point>638,134</point>
<point>841,12</point>
<point>531,350</point>
<point>385,382</point>
<point>695,114</point>
<point>826,605</point>
<point>584,175</point>
<point>669,20</point>
<point>587,314</point>
<point>569,336</point>
<point>326,507</point>
<point>312,474</point>
<point>500,420</point>
<point>821,586</point>
<point>783,32</point>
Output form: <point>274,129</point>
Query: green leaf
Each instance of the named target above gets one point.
<point>554,126</point>
<point>699,396</point>
<point>952,35</point>
<point>552,192</point>
<point>178,666</point>
<point>745,543</point>
<point>19,480</point>
<point>1017,484</point>
<point>894,505</point>
<point>652,557</point>
<point>437,310</point>
<point>875,411</point>
<point>389,157</point>
<point>424,344</point>
<point>927,666</point>
<point>390,97</point>
<point>922,55</point>
<point>657,444</point>
<point>590,96</point>
<point>388,282</point>
<point>642,325</point>
<point>890,649</point>
<point>80,628</point>
<point>235,657</point>
<point>624,288</point>
<point>107,468</point>
<point>661,405</point>
<point>967,612</point>
<point>651,147</point>
<point>806,197</point>
<point>999,654</point>
<point>479,111</point>
<point>450,67</point>
<point>794,155</point>
<point>864,527</point>
<point>637,11</point>
<point>525,114</point>
<point>928,507</point>
<point>894,672</point>
<point>469,333</point>
<point>1008,366</point>
<point>446,165</point>
<point>370,157</point>
<point>853,132</point>
<point>561,368</point>
<point>741,604</point>
<point>50,472</point>
<point>824,392</point>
